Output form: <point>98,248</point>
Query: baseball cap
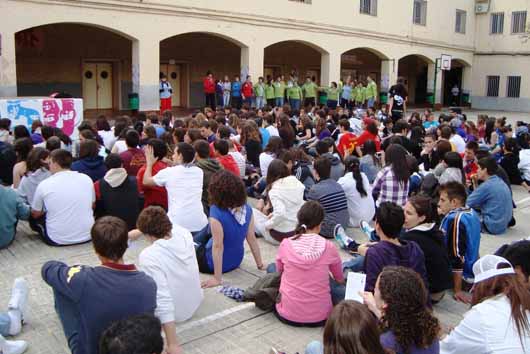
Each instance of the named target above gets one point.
<point>487,267</point>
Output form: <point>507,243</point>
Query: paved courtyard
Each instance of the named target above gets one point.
<point>221,325</point>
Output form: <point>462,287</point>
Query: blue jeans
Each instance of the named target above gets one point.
<point>69,316</point>
<point>226,98</point>
<point>295,103</point>
<point>279,101</point>
<point>315,347</point>
<point>202,237</point>
<point>338,291</point>
<point>260,102</point>
<point>371,102</point>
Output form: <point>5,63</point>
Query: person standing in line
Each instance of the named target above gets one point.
<point>269,93</point>
<point>310,92</point>
<point>259,91</point>
<point>227,89</point>
<point>209,90</point>
<point>236,93</point>
<point>247,91</point>
<point>371,92</point>
<point>166,91</point>
<point>294,94</point>
<point>455,92</point>
<point>279,91</point>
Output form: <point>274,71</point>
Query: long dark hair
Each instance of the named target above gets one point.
<point>490,127</point>
<point>352,165</point>
<point>351,329</point>
<point>274,146</point>
<point>406,314</point>
<point>277,170</point>
<point>515,291</point>
<point>310,215</point>
<point>396,157</point>
<point>369,148</point>
<point>454,160</point>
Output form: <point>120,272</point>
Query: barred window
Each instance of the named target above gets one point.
<point>419,15</point>
<point>513,86</point>
<point>369,7</point>
<point>493,86</point>
<point>497,23</point>
<point>518,21</point>
<point>460,26</point>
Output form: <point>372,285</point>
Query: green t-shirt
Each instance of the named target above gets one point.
<point>332,93</point>
<point>279,89</point>
<point>294,92</point>
<point>371,90</point>
<point>359,95</point>
<point>310,90</point>
<point>269,92</point>
<point>259,90</point>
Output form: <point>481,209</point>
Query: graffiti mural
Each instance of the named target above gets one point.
<point>64,113</point>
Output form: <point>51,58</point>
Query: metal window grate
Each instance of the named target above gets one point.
<point>419,13</point>
<point>369,7</point>
<point>513,86</point>
<point>497,23</point>
<point>493,86</point>
<point>518,21</point>
<point>460,26</point>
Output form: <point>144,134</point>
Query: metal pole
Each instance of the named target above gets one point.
<point>435,79</point>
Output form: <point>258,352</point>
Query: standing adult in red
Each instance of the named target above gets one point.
<point>166,91</point>
<point>209,90</point>
<point>247,91</point>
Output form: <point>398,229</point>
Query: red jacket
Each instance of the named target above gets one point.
<point>153,195</point>
<point>208,85</point>
<point>229,164</point>
<point>247,89</point>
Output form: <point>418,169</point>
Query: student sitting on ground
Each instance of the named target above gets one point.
<point>12,209</point>
<point>89,299</point>
<point>133,158</point>
<point>136,334</point>
<point>90,163</point>
<point>117,193</point>
<point>492,199</point>
<point>154,195</point>
<point>276,219</point>
<point>331,196</point>
<point>518,254</point>
<point>400,303</point>
<point>183,183</point>
<point>225,159</point>
<point>220,248</point>
<point>421,228</point>
<point>351,328</point>
<point>499,320</point>
<point>37,171</point>
<point>305,262</point>
<point>324,149</point>
<point>208,166</point>
<point>171,261</point>
<point>392,183</point>
<point>62,207</point>
<point>461,228</point>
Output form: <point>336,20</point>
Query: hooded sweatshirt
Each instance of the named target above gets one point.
<point>287,197</point>
<point>93,167</point>
<point>385,253</point>
<point>208,167</point>
<point>172,264</point>
<point>28,184</point>
<point>304,289</point>
<point>337,168</point>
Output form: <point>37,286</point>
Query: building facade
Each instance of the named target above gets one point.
<point>102,50</point>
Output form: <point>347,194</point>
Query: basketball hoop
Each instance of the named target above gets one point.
<point>446,62</point>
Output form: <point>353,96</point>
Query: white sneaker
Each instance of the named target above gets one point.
<point>12,346</point>
<point>19,297</point>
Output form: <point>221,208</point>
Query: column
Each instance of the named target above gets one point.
<point>329,68</point>
<point>389,72</point>
<point>434,84</point>
<point>145,73</point>
<point>252,61</point>
<point>8,65</point>
<point>467,73</point>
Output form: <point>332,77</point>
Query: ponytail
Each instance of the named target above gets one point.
<point>353,165</point>
<point>310,215</point>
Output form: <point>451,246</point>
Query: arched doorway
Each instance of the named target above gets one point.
<point>78,59</point>
<point>414,70</point>
<point>359,63</point>
<point>186,58</point>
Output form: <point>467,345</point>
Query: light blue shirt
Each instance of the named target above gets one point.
<point>12,208</point>
<point>346,92</point>
<point>493,200</point>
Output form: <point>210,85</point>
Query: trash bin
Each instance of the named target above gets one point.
<point>430,97</point>
<point>465,98</point>
<point>134,101</point>
<point>383,97</point>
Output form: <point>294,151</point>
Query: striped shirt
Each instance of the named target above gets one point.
<point>332,198</point>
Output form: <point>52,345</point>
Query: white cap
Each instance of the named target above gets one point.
<point>486,267</point>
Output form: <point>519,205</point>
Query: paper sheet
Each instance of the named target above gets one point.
<point>355,284</point>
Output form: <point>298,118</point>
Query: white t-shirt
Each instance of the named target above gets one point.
<point>173,266</point>
<point>119,146</point>
<point>273,131</point>
<point>265,160</point>
<point>488,328</point>
<point>459,142</point>
<point>67,199</point>
<point>184,191</point>
<point>359,208</point>
<point>108,138</point>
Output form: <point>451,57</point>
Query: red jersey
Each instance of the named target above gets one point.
<point>347,142</point>
<point>229,164</point>
<point>133,159</point>
<point>153,195</point>
<point>247,89</point>
<point>208,85</point>
<point>365,136</point>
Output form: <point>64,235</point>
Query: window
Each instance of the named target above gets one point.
<point>513,86</point>
<point>369,7</point>
<point>419,16</point>
<point>493,86</point>
<point>497,23</point>
<point>518,21</point>
<point>460,26</point>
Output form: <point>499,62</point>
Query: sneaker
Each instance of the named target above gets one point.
<point>366,228</point>
<point>19,297</point>
<point>340,235</point>
<point>12,346</point>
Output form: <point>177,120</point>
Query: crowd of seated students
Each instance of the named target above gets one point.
<point>422,190</point>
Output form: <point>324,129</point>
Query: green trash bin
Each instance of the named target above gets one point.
<point>134,101</point>
<point>383,97</point>
<point>465,98</point>
<point>430,97</point>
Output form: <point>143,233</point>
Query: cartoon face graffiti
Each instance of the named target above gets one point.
<point>50,112</point>
<point>68,115</point>
<point>16,112</point>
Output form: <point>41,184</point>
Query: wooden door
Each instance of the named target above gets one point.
<point>97,85</point>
